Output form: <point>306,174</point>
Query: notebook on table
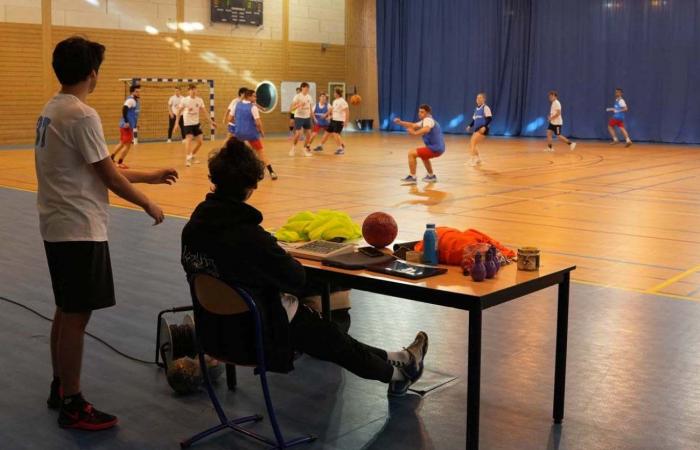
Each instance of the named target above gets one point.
<point>408,270</point>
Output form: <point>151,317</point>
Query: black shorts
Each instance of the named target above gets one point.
<point>336,126</point>
<point>81,275</point>
<point>486,130</point>
<point>555,128</point>
<point>194,130</point>
<point>300,123</point>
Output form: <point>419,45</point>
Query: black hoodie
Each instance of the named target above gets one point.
<point>223,238</point>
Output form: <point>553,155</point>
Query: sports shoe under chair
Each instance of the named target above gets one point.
<point>217,297</point>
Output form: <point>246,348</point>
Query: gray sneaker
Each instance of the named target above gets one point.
<point>318,148</point>
<point>413,370</point>
<point>430,178</point>
<point>409,180</point>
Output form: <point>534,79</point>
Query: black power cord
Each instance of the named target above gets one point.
<point>98,339</point>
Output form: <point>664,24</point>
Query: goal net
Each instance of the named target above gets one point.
<point>155,92</point>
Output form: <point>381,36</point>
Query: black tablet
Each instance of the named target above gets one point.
<point>407,270</point>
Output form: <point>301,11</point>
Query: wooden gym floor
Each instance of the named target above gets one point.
<point>627,217</point>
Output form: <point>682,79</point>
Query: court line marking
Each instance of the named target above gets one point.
<point>673,280</point>
<point>652,291</point>
<point>638,291</point>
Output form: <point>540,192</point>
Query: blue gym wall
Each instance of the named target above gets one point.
<point>443,52</point>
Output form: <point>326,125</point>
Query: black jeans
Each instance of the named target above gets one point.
<point>171,125</point>
<point>324,340</point>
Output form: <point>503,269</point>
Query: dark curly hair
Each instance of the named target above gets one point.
<point>235,169</point>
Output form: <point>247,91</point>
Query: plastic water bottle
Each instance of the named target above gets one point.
<point>430,241</point>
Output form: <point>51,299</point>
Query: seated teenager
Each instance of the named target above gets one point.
<point>224,239</point>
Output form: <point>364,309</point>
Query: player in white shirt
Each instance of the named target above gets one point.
<point>74,174</point>
<point>173,106</point>
<point>555,122</point>
<point>291,115</point>
<point>191,108</point>
<point>302,105</point>
<point>230,115</point>
<point>340,114</point>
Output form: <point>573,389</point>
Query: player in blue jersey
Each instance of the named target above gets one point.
<point>127,123</point>
<point>321,120</point>
<point>618,119</point>
<point>434,141</point>
<point>481,119</point>
<point>230,115</point>
<point>249,127</point>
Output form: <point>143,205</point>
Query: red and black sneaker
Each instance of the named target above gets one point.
<point>82,416</point>
<point>55,395</point>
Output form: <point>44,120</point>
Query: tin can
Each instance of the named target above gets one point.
<point>529,258</point>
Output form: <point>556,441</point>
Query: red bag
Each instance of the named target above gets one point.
<point>452,242</point>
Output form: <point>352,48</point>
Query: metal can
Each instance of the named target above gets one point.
<point>529,258</point>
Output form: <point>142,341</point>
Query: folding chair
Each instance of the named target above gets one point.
<point>217,297</point>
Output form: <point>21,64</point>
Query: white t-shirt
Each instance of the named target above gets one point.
<point>174,103</point>
<point>72,199</point>
<point>556,106</point>
<point>340,109</point>
<point>304,110</point>
<point>427,122</point>
<point>190,110</point>
<point>232,108</point>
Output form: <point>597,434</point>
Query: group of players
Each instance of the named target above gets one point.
<point>308,118</point>
<point>434,141</point>
<point>242,120</point>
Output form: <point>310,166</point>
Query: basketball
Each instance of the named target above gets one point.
<point>379,229</point>
<point>355,99</point>
<point>184,376</point>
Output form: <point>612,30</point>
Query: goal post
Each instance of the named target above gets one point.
<point>155,92</point>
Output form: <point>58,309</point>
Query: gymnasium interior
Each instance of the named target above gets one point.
<point>600,350</point>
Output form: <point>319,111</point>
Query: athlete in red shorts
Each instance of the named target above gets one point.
<point>434,141</point>
<point>618,119</point>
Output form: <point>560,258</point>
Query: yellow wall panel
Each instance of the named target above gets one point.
<point>231,62</point>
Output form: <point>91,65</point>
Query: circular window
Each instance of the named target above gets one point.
<point>266,93</point>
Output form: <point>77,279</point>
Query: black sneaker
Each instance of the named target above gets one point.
<point>82,416</point>
<point>55,395</point>
<point>414,370</point>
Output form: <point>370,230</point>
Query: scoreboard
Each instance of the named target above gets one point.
<point>243,12</point>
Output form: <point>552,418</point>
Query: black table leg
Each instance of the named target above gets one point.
<point>326,301</point>
<point>474,378</point>
<point>560,364</point>
<point>231,378</point>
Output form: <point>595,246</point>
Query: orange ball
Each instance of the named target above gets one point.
<point>379,229</point>
<point>356,99</point>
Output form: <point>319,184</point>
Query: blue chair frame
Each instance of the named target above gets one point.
<point>261,371</point>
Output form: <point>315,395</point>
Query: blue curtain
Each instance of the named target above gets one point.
<point>444,52</point>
